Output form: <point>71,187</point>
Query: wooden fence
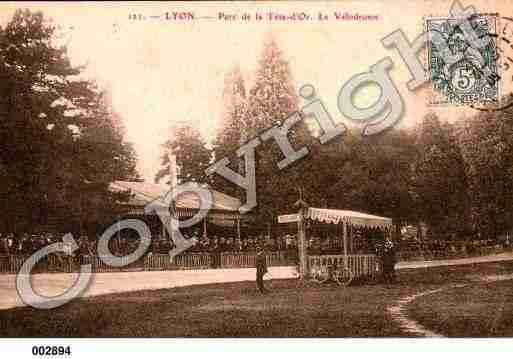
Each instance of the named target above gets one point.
<point>12,264</point>
<point>453,253</point>
<point>245,260</point>
<point>360,265</point>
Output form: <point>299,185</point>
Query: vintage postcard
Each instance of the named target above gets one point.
<point>268,169</point>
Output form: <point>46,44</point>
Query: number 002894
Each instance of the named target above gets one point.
<point>48,350</point>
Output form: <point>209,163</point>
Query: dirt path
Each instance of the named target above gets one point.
<point>398,311</point>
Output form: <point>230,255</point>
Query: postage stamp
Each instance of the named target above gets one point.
<point>472,80</point>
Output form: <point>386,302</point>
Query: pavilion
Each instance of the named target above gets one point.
<point>224,210</point>
<point>345,218</point>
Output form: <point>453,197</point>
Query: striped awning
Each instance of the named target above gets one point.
<point>336,216</point>
<point>181,212</point>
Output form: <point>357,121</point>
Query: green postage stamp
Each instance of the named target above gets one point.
<point>474,78</point>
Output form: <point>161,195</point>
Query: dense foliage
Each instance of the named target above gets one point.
<point>60,141</point>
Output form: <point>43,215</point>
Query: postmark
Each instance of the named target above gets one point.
<point>474,79</point>
<point>504,40</point>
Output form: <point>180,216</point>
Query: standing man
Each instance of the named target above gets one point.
<point>389,260</point>
<point>261,269</point>
<point>3,245</point>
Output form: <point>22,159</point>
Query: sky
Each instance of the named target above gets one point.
<point>160,71</point>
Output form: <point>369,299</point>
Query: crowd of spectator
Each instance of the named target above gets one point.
<point>119,245</point>
<point>230,244</point>
<point>468,246</point>
<point>27,244</point>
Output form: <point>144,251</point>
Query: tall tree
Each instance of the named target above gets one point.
<point>192,154</point>
<point>487,146</point>
<point>440,183</point>
<point>374,175</point>
<point>272,99</point>
<point>50,119</point>
<point>232,132</point>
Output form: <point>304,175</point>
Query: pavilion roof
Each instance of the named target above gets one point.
<point>143,193</point>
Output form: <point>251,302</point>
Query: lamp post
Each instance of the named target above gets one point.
<point>76,139</point>
<point>303,260</point>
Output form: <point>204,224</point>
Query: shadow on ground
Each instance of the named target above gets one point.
<point>292,309</point>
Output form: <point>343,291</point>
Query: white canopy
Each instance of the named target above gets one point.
<point>353,218</point>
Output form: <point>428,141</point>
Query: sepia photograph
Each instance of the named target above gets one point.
<point>266,169</point>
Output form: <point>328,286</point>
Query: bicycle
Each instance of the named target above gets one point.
<point>322,274</point>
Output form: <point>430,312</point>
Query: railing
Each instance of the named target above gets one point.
<point>185,261</point>
<point>360,265</point>
<point>454,253</point>
<point>157,262</point>
<point>247,259</point>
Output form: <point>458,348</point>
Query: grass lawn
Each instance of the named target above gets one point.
<point>478,310</point>
<point>292,309</point>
